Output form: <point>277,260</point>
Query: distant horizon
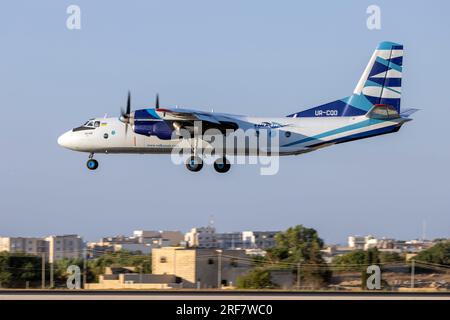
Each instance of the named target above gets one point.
<point>130,234</point>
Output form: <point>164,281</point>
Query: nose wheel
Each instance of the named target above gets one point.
<point>92,164</point>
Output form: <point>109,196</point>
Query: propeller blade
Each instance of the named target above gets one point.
<point>129,104</point>
<point>157,101</point>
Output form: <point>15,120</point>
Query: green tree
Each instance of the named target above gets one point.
<point>18,268</point>
<point>142,263</point>
<point>5,279</point>
<point>301,245</point>
<point>28,272</point>
<point>356,257</point>
<point>390,257</point>
<point>360,260</point>
<point>439,253</point>
<point>257,278</point>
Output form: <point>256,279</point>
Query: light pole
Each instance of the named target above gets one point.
<point>43,271</point>
<point>219,269</point>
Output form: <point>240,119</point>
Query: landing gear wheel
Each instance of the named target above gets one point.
<point>194,164</point>
<point>92,164</point>
<point>222,165</point>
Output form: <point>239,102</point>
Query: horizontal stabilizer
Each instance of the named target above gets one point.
<point>405,113</point>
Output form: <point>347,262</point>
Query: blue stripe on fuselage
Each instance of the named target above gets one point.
<point>354,126</point>
<point>361,135</point>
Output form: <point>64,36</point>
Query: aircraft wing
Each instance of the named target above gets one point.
<point>186,118</point>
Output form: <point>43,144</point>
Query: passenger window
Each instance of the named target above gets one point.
<point>97,124</point>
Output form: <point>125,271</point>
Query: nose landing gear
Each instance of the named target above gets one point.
<point>92,164</point>
<point>194,164</point>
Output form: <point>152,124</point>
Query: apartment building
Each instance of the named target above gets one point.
<point>65,246</point>
<point>203,237</point>
<point>35,246</point>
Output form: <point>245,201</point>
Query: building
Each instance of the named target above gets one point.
<point>332,251</point>
<point>35,246</point>
<point>387,244</point>
<point>258,239</point>
<point>142,241</point>
<point>66,246</point>
<point>95,250</point>
<point>356,242</point>
<point>229,240</point>
<point>127,278</point>
<point>163,238</point>
<point>121,239</point>
<point>54,247</point>
<point>200,268</point>
<point>203,237</point>
<point>206,237</point>
<point>175,238</point>
<point>134,247</point>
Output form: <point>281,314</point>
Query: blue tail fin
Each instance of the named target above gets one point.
<point>380,83</point>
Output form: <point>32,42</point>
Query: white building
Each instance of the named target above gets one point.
<point>258,239</point>
<point>362,242</point>
<point>203,237</point>
<point>66,246</point>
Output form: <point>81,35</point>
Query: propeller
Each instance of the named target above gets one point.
<point>157,101</point>
<point>125,116</point>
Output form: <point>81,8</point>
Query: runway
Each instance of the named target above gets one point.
<point>214,295</point>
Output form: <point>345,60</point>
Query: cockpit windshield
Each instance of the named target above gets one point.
<point>88,125</point>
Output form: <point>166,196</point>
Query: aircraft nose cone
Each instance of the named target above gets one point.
<point>63,140</point>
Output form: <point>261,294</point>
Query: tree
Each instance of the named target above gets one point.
<point>439,253</point>
<point>297,244</point>
<point>142,263</point>
<point>258,278</point>
<point>360,260</point>
<point>356,257</point>
<point>301,245</point>
<point>390,257</point>
<point>18,268</point>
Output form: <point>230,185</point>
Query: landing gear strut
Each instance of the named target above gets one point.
<point>194,163</point>
<point>92,164</point>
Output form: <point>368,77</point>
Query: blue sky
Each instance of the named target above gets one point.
<point>265,58</point>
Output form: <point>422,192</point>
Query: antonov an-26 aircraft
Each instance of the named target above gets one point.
<point>373,109</point>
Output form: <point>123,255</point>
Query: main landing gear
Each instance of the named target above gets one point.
<point>195,164</point>
<point>92,164</point>
<point>222,165</point>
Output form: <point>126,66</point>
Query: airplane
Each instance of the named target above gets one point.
<point>373,109</point>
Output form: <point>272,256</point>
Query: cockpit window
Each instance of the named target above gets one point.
<point>88,125</point>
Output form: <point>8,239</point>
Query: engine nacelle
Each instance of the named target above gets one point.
<point>158,128</point>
